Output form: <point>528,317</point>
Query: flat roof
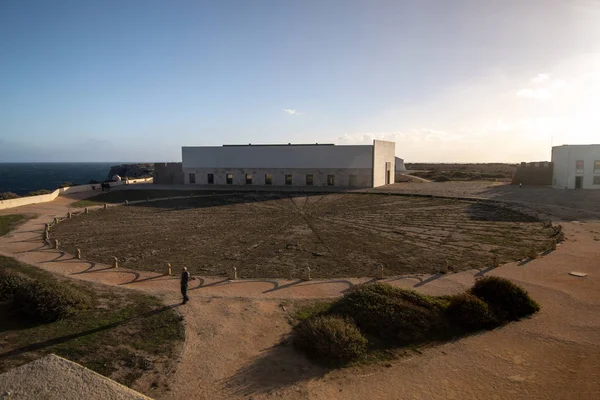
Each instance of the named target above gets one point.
<point>576,145</point>
<point>280,144</point>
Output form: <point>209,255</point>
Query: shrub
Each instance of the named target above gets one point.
<point>48,301</point>
<point>390,313</point>
<point>66,184</point>
<point>470,312</point>
<point>8,196</point>
<point>506,300</point>
<point>330,337</point>
<point>9,284</point>
<point>442,178</point>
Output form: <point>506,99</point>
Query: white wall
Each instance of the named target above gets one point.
<point>43,198</point>
<point>383,153</point>
<point>279,156</point>
<point>565,161</point>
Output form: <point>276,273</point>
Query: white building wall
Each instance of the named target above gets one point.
<point>565,171</point>
<point>279,156</point>
<point>384,159</point>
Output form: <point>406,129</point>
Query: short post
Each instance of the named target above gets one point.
<point>444,269</point>
<point>78,253</point>
<point>496,261</point>
<point>115,262</point>
<point>105,206</point>
<point>147,199</point>
<point>379,273</point>
<point>126,202</point>
<point>234,274</point>
<point>69,215</point>
<point>87,211</point>
<point>532,253</point>
<point>56,244</point>
<point>306,276</point>
<point>169,269</point>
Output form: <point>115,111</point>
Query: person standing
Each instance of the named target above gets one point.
<point>185,278</point>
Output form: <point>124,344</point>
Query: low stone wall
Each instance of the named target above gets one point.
<point>44,198</point>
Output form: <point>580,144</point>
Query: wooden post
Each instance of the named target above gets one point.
<point>234,274</point>
<point>169,269</point>
<point>105,206</point>
<point>115,262</point>
<point>306,276</point>
<point>496,261</point>
<point>69,215</point>
<point>56,244</point>
<point>78,253</point>
<point>126,202</point>
<point>87,211</point>
<point>379,273</point>
<point>532,253</point>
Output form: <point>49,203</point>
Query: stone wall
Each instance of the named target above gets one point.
<point>534,174</point>
<point>168,173</point>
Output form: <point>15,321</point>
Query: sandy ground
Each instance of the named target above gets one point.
<point>236,332</point>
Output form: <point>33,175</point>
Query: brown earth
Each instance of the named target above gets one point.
<point>277,236</point>
<point>237,344</point>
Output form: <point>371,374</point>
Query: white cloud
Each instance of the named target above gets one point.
<point>480,121</point>
<point>540,78</point>
<point>291,111</point>
<point>537,94</point>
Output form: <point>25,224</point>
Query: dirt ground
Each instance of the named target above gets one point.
<point>277,236</point>
<point>237,332</point>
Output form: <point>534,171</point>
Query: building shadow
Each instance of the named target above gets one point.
<point>66,338</point>
<point>276,368</point>
<point>494,212</point>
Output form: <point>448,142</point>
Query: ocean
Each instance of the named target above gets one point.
<point>22,178</point>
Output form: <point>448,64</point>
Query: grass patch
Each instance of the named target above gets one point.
<point>120,334</point>
<point>391,319</point>
<point>10,222</point>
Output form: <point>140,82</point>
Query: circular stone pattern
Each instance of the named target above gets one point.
<point>278,235</point>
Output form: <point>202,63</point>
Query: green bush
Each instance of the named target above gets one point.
<point>330,337</point>
<point>9,284</point>
<point>8,196</point>
<point>393,314</point>
<point>47,301</point>
<point>470,312</point>
<point>508,302</point>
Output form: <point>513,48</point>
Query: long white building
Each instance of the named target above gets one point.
<point>576,166</point>
<point>291,165</point>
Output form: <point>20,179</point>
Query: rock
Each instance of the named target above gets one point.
<point>132,171</point>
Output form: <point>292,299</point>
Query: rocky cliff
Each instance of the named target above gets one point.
<point>132,171</point>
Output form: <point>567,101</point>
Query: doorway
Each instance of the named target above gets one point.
<point>578,182</point>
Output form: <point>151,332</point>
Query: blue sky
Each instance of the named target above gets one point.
<point>447,80</point>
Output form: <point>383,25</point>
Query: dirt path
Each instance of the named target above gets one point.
<point>236,332</point>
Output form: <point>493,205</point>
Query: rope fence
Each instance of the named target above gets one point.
<point>305,274</point>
